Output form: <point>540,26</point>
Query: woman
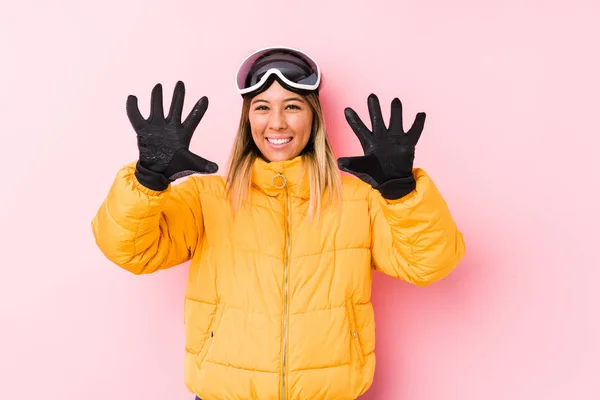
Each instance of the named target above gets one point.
<point>282,249</point>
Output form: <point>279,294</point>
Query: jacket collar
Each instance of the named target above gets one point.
<point>267,177</point>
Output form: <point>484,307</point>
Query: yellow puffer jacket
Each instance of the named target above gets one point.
<point>278,306</point>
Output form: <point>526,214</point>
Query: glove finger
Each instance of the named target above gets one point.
<point>366,168</point>
<point>193,119</point>
<point>200,164</point>
<point>186,163</point>
<point>156,104</point>
<point>359,128</point>
<point>375,113</point>
<point>177,103</point>
<point>417,128</point>
<point>396,124</point>
<point>133,112</point>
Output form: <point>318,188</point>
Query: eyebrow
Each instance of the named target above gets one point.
<point>288,99</point>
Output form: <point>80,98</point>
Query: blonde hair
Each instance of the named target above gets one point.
<point>320,162</point>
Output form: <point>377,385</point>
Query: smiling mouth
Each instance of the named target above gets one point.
<point>279,141</point>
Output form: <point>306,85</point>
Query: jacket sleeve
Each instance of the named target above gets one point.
<point>143,230</point>
<point>415,238</point>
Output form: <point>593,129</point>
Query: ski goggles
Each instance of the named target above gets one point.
<point>293,68</point>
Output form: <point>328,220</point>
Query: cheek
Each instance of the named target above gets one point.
<point>257,126</point>
<point>303,126</point>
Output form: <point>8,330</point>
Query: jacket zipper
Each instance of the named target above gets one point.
<point>285,285</point>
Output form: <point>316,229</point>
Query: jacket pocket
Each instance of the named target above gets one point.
<point>213,327</point>
<point>355,337</point>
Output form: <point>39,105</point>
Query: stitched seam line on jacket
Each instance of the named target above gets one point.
<point>296,313</point>
<point>275,372</point>
<point>270,209</point>
<point>245,369</point>
<point>321,367</point>
<point>200,301</point>
<point>366,248</point>
<point>275,314</point>
<point>319,310</point>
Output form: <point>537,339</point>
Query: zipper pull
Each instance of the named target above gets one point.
<point>282,179</point>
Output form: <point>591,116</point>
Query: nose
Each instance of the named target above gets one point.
<point>277,121</point>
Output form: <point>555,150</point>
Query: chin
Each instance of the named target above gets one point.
<point>278,157</point>
<point>274,157</point>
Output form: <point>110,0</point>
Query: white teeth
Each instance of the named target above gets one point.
<point>279,141</point>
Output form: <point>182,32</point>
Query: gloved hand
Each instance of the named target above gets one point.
<point>389,152</point>
<point>163,144</point>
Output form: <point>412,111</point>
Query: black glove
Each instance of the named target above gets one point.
<point>389,152</point>
<point>164,143</point>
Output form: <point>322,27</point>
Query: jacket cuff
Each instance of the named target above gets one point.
<point>397,188</point>
<point>150,179</point>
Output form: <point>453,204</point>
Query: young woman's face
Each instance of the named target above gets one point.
<point>281,123</point>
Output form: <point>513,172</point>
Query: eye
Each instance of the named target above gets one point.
<point>294,107</point>
<point>261,108</point>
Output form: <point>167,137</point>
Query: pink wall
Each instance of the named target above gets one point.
<point>512,138</point>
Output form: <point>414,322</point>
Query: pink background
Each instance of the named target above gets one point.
<point>511,90</point>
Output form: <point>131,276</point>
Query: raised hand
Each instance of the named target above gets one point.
<point>389,152</point>
<point>163,143</point>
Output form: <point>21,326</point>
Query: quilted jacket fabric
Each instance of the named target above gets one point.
<point>277,305</point>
